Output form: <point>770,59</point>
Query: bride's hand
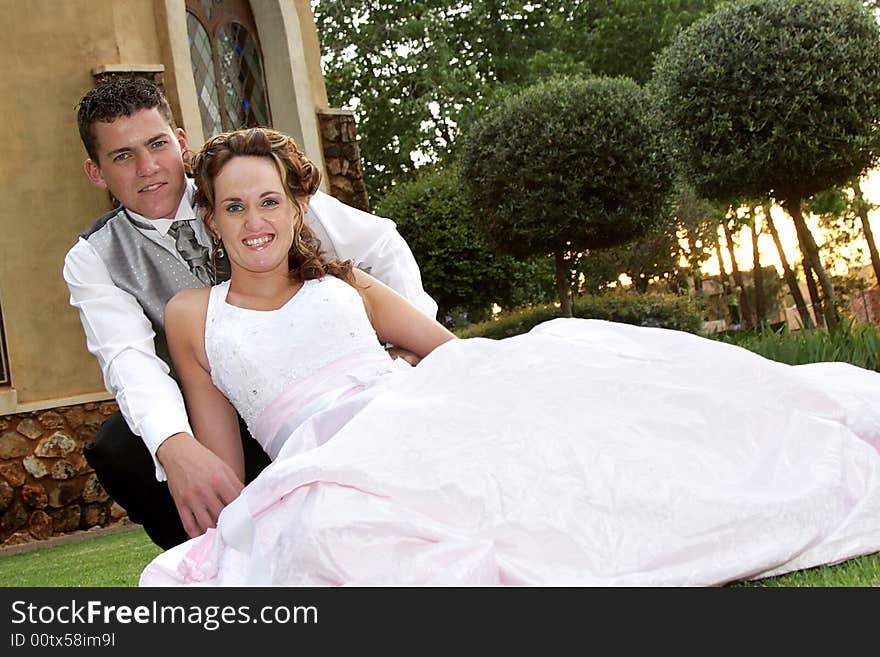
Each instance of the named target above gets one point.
<point>399,352</point>
<point>201,483</point>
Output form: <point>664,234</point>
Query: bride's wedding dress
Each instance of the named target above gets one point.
<point>582,453</point>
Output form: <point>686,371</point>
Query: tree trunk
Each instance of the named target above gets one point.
<point>811,256</point>
<point>732,310</point>
<point>563,286</point>
<point>811,280</point>
<point>814,294</point>
<point>698,284</point>
<point>869,234</point>
<point>693,260</point>
<point>757,273</point>
<point>790,278</point>
<point>744,303</point>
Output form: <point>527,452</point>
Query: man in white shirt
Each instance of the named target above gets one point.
<point>122,271</point>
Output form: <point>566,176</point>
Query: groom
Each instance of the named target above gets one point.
<point>123,270</point>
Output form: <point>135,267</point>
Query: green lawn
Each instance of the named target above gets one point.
<point>117,560</point>
<point>112,560</point>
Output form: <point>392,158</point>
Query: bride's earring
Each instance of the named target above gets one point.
<point>218,248</point>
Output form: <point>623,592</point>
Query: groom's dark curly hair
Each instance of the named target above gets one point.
<point>300,178</point>
<point>115,98</point>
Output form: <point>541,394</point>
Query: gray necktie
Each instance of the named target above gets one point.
<point>194,253</point>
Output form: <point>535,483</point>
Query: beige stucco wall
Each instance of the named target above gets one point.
<point>52,48</point>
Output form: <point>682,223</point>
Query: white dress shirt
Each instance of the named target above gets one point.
<point>121,336</point>
<point>372,243</point>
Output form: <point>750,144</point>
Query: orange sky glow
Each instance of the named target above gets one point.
<point>769,254</point>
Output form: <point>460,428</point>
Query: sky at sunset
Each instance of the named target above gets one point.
<point>769,255</point>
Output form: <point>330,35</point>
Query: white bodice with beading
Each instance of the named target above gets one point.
<point>256,355</point>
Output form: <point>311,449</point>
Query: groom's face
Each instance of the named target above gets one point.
<point>140,161</point>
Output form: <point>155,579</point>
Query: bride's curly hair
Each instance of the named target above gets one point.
<point>300,178</point>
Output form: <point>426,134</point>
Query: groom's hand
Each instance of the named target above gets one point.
<point>201,483</point>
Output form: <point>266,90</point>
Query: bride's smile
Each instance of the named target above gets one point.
<point>253,215</point>
<point>258,242</point>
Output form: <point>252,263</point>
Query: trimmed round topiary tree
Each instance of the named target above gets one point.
<point>564,166</point>
<point>778,97</point>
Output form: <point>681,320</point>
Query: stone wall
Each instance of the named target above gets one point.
<point>342,156</point>
<point>46,486</point>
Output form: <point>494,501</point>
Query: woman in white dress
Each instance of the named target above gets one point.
<point>582,453</point>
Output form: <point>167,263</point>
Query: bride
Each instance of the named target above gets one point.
<point>582,453</point>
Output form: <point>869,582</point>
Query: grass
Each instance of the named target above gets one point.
<point>112,560</point>
<point>117,560</point>
<point>859,572</point>
<point>856,343</point>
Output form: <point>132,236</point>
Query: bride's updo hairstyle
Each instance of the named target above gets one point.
<point>299,176</point>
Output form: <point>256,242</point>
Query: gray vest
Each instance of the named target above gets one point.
<point>144,269</point>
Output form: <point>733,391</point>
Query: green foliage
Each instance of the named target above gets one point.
<point>829,202</point>
<point>659,310</point>
<point>697,220</point>
<point>458,268</point>
<point>851,290</point>
<point>410,69</point>
<point>843,234</point>
<point>851,342</point>
<point>658,254</point>
<point>622,37</point>
<point>778,96</point>
<point>569,164</point>
<point>842,212</point>
<point>652,255</point>
<point>414,72</point>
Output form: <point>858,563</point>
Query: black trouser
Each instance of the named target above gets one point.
<point>127,472</point>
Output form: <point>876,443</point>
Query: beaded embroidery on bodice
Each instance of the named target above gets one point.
<point>255,355</point>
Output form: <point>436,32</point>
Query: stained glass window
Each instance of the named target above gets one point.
<point>242,73</point>
<point>227,65</point>
<point>203,70</point>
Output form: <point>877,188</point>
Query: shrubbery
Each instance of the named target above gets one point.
<point>659,310</point>
<point>458,267</point>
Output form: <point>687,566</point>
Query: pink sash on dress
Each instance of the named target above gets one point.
<point>306,415</point>
<point>319,398</point>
